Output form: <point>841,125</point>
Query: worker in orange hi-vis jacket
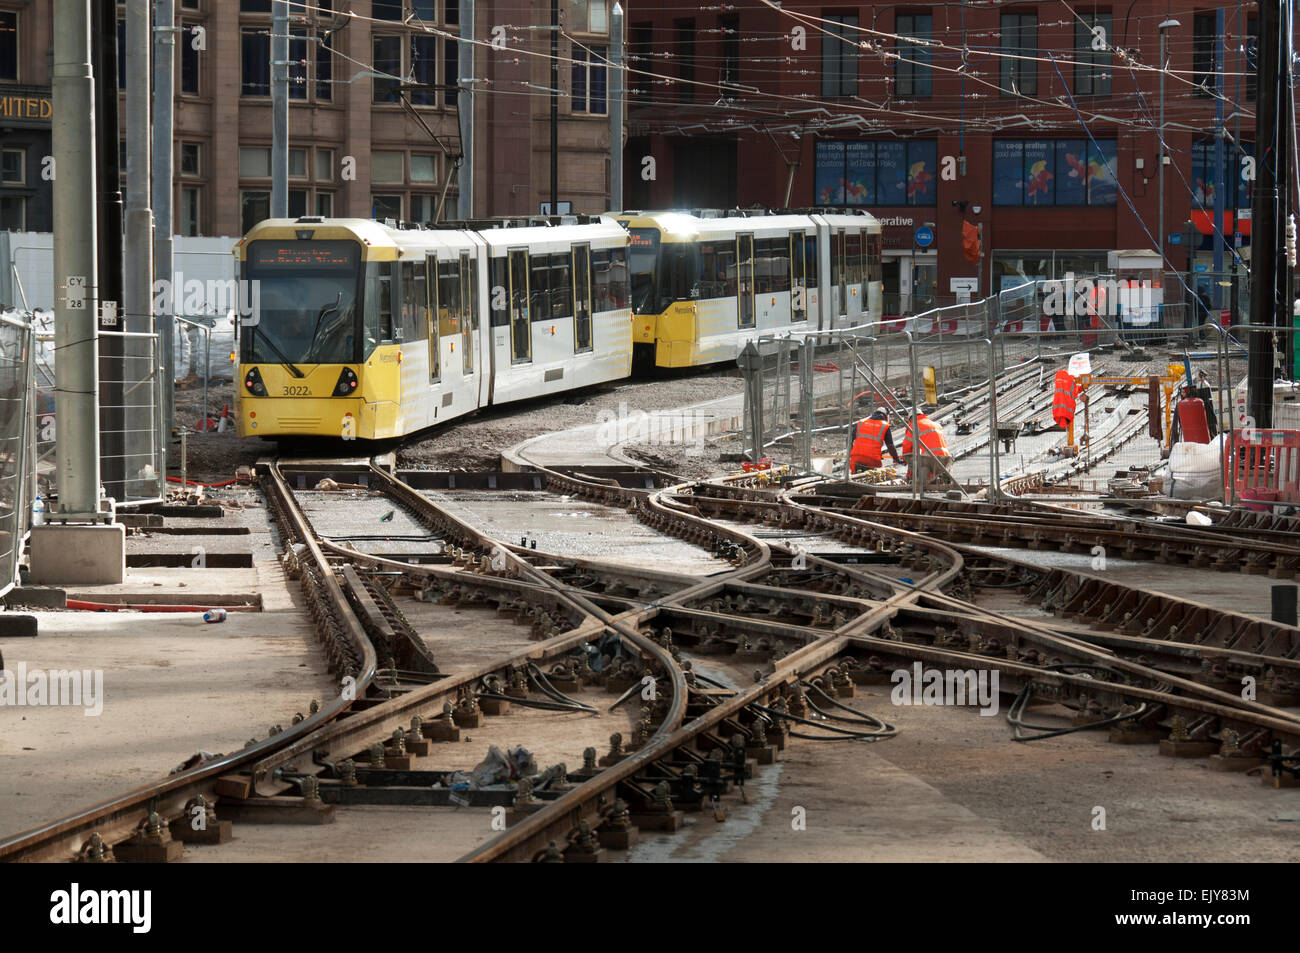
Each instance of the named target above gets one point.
<point>929,464</point>
<point>870,436</point>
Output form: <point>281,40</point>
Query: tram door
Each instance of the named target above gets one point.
<point>431,292</point>
<point>468,317</point>
<point>521,340</point>
<point>581,298</point>
<point>745,280</point>
<point>798,282</point>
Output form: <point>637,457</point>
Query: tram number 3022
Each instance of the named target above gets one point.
<point>297,391</point>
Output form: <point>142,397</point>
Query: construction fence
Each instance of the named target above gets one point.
<point>16,443</point>
<point>986,373</point>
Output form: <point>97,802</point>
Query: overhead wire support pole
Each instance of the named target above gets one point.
<point>138,316</point>
<point>164,73</point>
<point>465,107</point>
<point>108,228</point>
<point>1222,181</point>
<point>555,107</point>
<point>616,87</point>
<point>76,398</point>
<point>279,109</point>
<point>1264,207</point>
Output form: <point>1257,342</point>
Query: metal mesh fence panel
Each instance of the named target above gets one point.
<point>15,399</point>
<point>132,399</point>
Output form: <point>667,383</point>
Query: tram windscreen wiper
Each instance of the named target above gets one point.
<point>284,361</point>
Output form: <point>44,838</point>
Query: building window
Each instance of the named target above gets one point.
<point>254,6</point>
<point>589,16</point>
<point>189,62</point>
<point>1019,39</point>
<point>13,213</point>
<point>387,10</point>
<point>685,60</point>
<point>450,70</point>
<point>1205,181</point>
<point>189,211</point>
<point>730,70</point>
<point>254,162</point>
<point>298,163</point>
<point>8,45</point>
<point>1051,172</point>
<point>324,69</point>
<point>640,51</point>
<point>876,173</point>
<point>387,59</point>
<point>1092,67</point>
<point>424,168</point>
<point>254,207</point>
<point>324,165</point>
<point>913,78</point>
<point>588,80</point>
<point>121,56</point>
<point>297,63</point>
<point>190,159</point>
<point>1205,37</point>
<point>189,4</point>
<point>13,167</point>
<point>325,204</point>
<point>424,208</point>
<point>387,167</point>
<point>451,14</point>
<point>256,69</point>
<point>424,70</point>
<point>297,203</point>
<point>385,207</point>
<point>840,56</point>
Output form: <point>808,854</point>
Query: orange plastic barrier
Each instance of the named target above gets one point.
<point>1265,468</point>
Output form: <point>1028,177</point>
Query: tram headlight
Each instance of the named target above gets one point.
<point>347,383</point>
<point>253,383</point>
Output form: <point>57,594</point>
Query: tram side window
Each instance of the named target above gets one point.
<point>561,285</point>
<point>771,265</point>
<point>853,254</point>
<point>449,304</point>
<point>717,270</point>
<point>411,326</point>
<point>875,266</point>
<point>497,293</point>
<point>618,292</point>
<point>810,261</point>
<point>539,287</point>
<point>379,305</point>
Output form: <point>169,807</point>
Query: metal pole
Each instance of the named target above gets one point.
<point>1263,237</point>
<point>916,436</point>
<point>616,109</point>
<point>164,66</point>
<point>138,440</point>
<point>108,225</point>
<point>806,402</point>
<point>1221,181</point>
<point>279,109</point>
<point>1160,170</point>
<point>555,107</point>
<point>465,49</point>
<point>993,425</point>
<point>75,268</point>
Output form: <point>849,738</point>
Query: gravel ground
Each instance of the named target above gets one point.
<point>476,443</point>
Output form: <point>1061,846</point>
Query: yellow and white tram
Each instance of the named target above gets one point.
<point>703,284</point>
<point>361,330</point>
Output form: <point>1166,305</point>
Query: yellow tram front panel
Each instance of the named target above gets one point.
<point>306,405</point>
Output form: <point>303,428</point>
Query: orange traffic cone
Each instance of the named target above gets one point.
<point>224,422</point>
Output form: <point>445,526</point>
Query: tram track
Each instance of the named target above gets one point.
<point>806,624</point>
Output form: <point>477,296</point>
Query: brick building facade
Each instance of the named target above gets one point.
<point>1021,119</point>
<point>354,150</point>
